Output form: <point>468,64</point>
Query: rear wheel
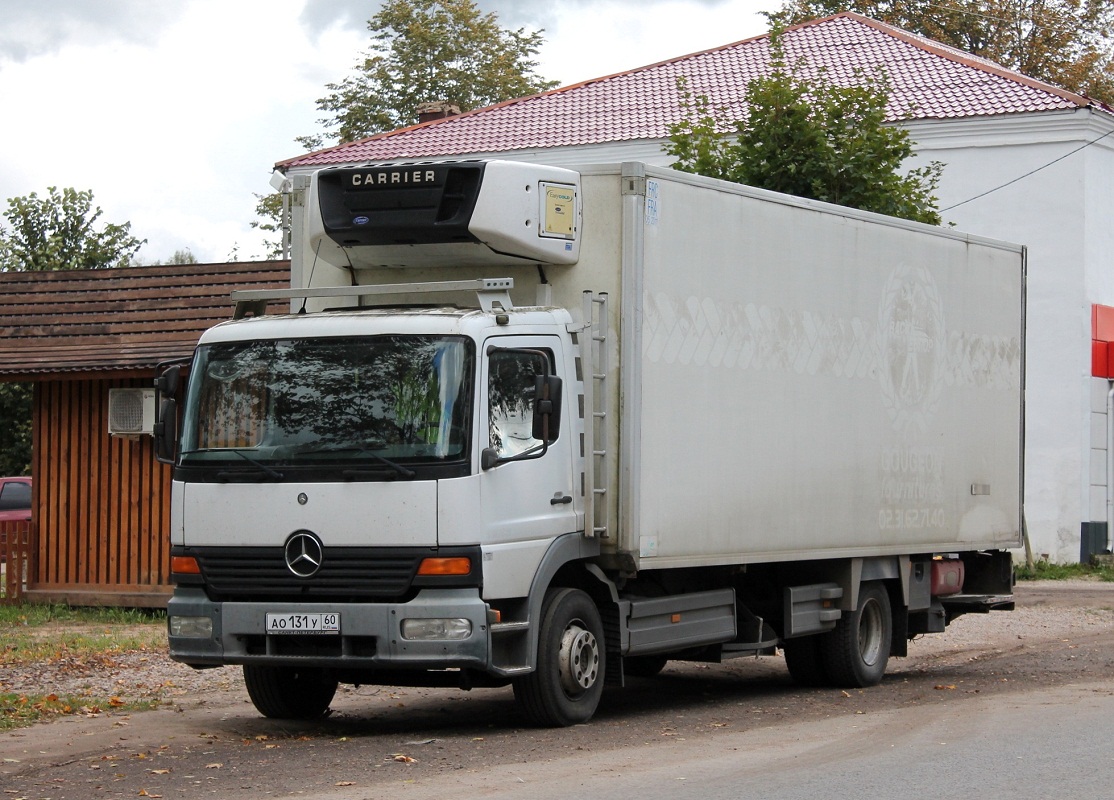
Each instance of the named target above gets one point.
<point>565,687</point>
<point>855,653</point>
<point>289,692</point>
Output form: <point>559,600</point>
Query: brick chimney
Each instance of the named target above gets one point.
<point>440,109</point>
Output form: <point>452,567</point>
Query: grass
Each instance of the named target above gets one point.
<point>79,637</point>
<point>21,710</point>
<point>1047,571</point>
<point>40,614</point>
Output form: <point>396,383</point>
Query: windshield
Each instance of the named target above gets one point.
<point>368,401</point>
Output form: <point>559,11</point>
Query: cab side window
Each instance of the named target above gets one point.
<point>510,390</point>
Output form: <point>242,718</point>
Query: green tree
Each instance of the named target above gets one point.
<point>809,137</point>
<point>1069,43</point>
<point>15,428</point>
<point>268,208</point>
<point>426,51</point>
<point>60,232</point>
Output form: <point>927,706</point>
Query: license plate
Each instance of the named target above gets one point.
<point>303,623</point>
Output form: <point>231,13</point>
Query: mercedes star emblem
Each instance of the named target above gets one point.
<point>303,553</point>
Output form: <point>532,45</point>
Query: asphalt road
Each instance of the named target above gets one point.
<point>1017,705</point>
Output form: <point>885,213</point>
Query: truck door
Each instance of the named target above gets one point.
<point>529,499</point>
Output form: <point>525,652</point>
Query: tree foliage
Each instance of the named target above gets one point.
<point>809,137</point>
<point>268,209</point>
<point>15,428</point>
<point>60,231</point>
<point>1069,43</point>
<point>426,51</point>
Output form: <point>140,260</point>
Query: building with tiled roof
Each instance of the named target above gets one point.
<point>101,503</point>
<point>117,321</point>
<point>929,81</point>
<point>1024,161</point>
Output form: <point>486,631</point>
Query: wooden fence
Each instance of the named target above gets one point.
<point>16,554</point>
<point>101,504</point>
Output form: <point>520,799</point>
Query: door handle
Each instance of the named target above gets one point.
<point>560,499</point>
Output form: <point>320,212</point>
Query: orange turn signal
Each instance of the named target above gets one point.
<point>185,565</point>
<point>445,566</point>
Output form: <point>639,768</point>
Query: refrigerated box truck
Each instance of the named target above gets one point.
<point>551,428</point>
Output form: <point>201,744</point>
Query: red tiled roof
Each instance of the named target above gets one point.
<point>929,81</point>
<point>118,319</point>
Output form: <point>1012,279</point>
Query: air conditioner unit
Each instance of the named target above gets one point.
<point>131,412</point>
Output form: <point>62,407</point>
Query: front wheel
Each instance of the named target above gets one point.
<point>289,692</point>
<point>855,653</point>
<point>566,686</point>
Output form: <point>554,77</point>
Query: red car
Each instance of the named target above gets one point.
<point>15,499</point>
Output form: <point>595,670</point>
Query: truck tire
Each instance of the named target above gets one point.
<point>855,653</point>
<point>805,663</point>
<point>289,692</point>
<point>566,685</point>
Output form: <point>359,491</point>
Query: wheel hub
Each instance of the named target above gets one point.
<point>870,633</point>
<point>580,659</point>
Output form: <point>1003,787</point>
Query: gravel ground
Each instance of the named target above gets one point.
<point>1046,610</point>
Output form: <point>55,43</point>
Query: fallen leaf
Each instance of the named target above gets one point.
<point>214,765</point>
<point>159,771</point>
<point>345,783</point>
<point>402,758</point>
<point>941,686</point>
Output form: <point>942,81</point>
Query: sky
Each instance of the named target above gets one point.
<point>174,112</point>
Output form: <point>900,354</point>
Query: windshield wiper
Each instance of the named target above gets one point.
<point>273,474</point>
<point>362,451</point>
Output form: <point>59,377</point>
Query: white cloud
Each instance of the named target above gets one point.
<point>617,35</point>
<point>174,120</point>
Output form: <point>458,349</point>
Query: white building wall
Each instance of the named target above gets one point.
<point>1051,211</point>
<point>1099,277</point>
<point>1044,211</point>
<point>1100,390</point>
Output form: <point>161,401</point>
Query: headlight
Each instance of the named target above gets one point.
<point>436,628</point>
<point>191,627</point>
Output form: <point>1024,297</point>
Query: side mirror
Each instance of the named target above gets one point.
<point>489,458</point>
<point>166,421</point>
<point>166,431</point>
<point>167,383</point>
<point>547,408</point>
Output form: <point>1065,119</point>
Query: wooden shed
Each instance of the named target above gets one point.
<point>101,503</point>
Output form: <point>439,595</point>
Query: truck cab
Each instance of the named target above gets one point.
<point>371,490</point>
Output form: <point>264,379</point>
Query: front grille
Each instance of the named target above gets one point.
<point>349,574</point>
<point>310,646</point>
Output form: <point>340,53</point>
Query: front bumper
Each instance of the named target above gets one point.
<point>370,635</point>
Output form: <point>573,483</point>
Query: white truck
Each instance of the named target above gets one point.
<point>551,428</point>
